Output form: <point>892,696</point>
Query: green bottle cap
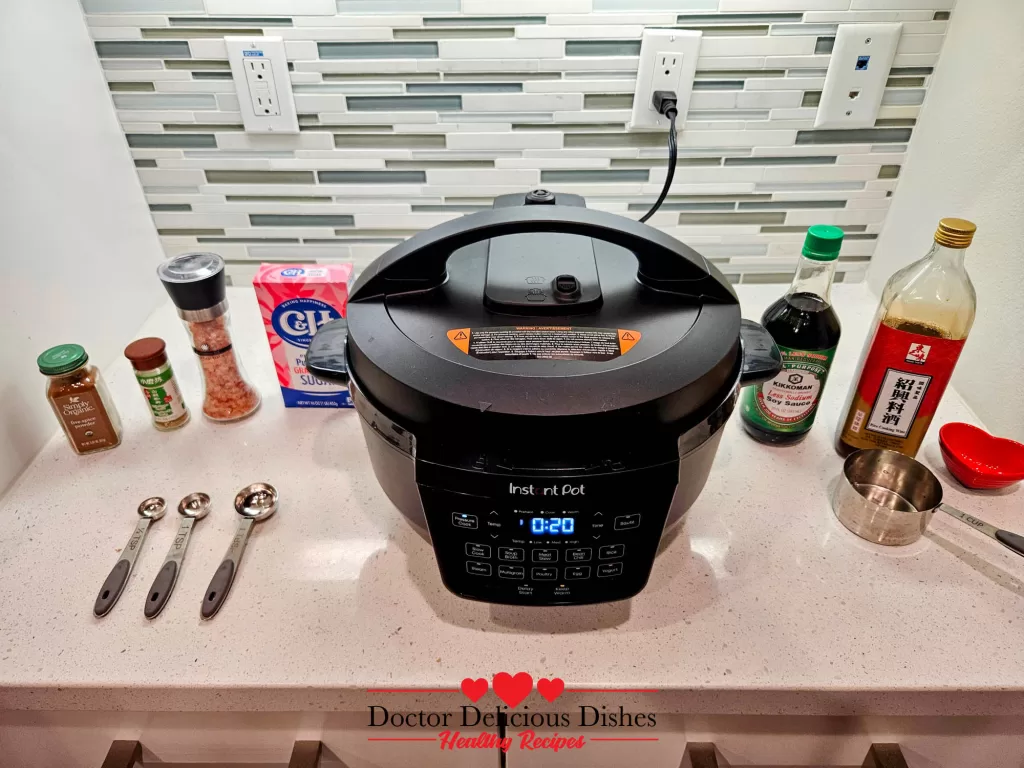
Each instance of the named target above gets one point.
<point>61,359</point>
<point>823,242</point>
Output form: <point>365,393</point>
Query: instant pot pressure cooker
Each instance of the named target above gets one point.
<point>543,388</point>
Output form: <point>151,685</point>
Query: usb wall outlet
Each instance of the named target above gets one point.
<point>857,73</point>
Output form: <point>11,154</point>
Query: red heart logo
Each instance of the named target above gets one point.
<point>474,689</point>
<point>550,689</point>
<point>512,690</point>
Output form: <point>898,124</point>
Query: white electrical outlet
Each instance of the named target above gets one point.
<point>259,67</point>
<point>861,59</point>
<point>668,61</point>
<point>262,89</point>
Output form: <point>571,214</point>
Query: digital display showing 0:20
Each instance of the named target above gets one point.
<point>552,526</point>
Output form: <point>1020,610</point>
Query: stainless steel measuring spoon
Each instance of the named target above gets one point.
<point>193,507</point>
<point>254,503</point>
<point>150,510</point>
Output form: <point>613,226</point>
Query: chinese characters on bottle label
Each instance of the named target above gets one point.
<point>898,402</point>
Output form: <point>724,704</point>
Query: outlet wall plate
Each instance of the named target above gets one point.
<point>259,67</point>
<point>861,59</point>
<point>272,7</point>
<point>661,70</point>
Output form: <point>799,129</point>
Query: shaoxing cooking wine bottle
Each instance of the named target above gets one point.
<point>926,312</point>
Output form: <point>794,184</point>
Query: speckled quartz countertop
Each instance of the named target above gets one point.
<point>762,603</point>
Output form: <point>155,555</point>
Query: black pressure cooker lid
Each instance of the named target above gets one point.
<point>541,307</point>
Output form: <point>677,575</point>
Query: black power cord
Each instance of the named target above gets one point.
<point>502,725</point>
<point>665,103</point>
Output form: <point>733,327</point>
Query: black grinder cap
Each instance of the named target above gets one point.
<point>194,281</point>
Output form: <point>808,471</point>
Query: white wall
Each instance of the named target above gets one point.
<point>77,246</point>
<point>967,159</point>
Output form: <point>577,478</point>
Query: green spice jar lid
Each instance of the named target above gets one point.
<point>823,242</point>
<point>62,359</point>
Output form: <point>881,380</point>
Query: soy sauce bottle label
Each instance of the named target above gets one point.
<point>789,402</point>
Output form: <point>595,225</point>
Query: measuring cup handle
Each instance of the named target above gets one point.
<point>1012,541</point>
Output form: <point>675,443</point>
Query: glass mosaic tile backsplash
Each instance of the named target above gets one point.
<point>413,112</point>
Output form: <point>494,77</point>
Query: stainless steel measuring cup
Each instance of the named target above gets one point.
<point>888,498</point>
<point>193,507</point>
<point>254,503</point>
<point>150,510</point>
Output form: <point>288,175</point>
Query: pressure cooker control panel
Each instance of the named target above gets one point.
<point>547,540</point>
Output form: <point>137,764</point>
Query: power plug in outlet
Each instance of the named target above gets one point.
<point>259,67</point>
<point>668,61</point>
<point>857,72</point>
<point>262,90</point>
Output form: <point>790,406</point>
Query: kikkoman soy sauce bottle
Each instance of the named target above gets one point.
<point>926,312</point>
<point>806,331</point>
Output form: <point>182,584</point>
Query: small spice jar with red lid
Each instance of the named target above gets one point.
<point>156,378</point>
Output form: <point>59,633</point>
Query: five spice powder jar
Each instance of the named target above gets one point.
<point>79,398</point>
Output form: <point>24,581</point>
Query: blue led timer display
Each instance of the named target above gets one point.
<point>540,526</point>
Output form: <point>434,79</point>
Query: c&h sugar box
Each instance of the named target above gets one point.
<point>295,300</point>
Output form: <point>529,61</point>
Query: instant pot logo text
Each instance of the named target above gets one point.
<point>296,320</point>
<point>523,729</point>
<point>565,489</point>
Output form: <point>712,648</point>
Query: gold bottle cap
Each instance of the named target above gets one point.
<point>955,233</point>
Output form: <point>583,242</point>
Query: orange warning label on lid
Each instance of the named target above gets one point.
<point>627,339</point>
<point>544,342</point>
<point>460,338</point>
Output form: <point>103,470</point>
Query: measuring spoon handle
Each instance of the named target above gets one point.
<point>224,576</point>
<point>115,582</point>
<point>1012,541</point>
<point>167,576</point>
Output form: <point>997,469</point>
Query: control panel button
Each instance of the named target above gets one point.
<point>511,572</point>
<point>480,551</point>
<point>478,569</point>
<point>462,520</point>
<point>627,522</point>
<point>545,555</point>
<point>610,569</point>
<point>577,572</point>
<point>511,554</point>
<point>544,574</point>
<point>611,551</point>
<point>579,555</point>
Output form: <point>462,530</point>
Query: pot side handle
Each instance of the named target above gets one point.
<point>325,357</point>
<point>761,358</point>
